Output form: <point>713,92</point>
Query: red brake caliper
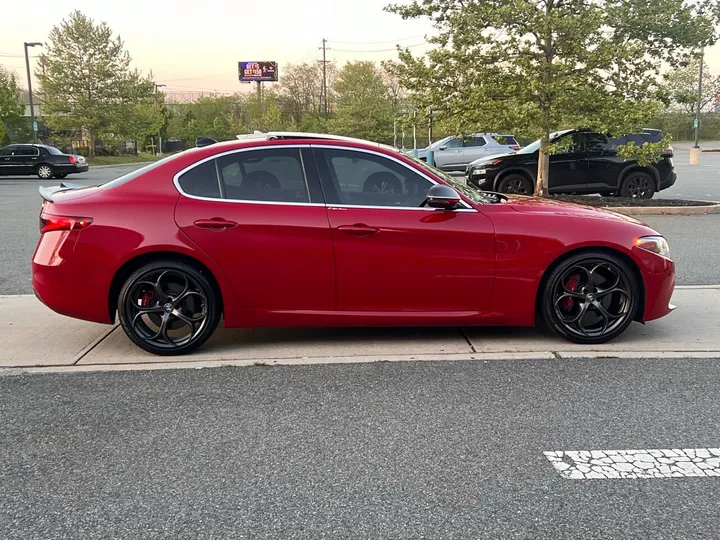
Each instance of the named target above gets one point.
<point>571,285</point>
<point>147,298</point>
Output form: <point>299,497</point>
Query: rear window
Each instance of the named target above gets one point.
<point>138,172</point>
<point>53,151</point>
<point>507,140</point>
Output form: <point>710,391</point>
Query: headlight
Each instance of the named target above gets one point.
<point>656,244</point>
<point>479,172</point>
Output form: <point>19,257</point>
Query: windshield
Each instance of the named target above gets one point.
<point>530,148</point>
<point>470,192</point>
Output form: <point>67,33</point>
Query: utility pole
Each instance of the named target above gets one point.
<point>324,91</point>
<point>160,129</point>
<point>699,102</point>
<point>32,108</point>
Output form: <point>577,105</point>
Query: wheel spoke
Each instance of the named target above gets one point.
<point>190,321</point>
<point>185,295</point>
<point>158,287</point>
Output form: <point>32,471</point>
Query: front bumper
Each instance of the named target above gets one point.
<point>480,178</point>
<point>659,277</point>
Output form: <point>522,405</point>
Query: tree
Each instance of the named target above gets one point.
<point>11,104</point>
<point>364,105</point>
<point>301,88</point>
<point>85,78</point>
<point>682,85</point>
<point>540,65</point>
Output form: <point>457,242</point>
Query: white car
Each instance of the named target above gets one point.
<point>453,154</point>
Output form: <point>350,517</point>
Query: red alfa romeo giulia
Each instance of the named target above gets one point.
<point>291,229</point>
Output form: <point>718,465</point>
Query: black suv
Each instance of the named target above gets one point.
<point>589,165</point>
<point>44,161</point>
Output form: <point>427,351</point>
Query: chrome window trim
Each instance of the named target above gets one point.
<point>176,180</point>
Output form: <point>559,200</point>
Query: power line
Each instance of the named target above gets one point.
<point>378,50</point>
<point>375,42</point>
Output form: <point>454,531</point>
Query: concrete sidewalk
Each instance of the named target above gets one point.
<point>37,339</point>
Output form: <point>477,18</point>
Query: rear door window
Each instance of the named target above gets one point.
<point>268,174</point>
<point>474,142</point>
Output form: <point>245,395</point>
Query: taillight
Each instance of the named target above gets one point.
<point>73,159</point>
<point>669,151</point>
<point>62,223</point>
<point>515,147</point>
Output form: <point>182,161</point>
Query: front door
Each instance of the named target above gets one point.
<point>391,254</point>
<point>265,225</point>
<point>568,167</point>
<point>449,155</point>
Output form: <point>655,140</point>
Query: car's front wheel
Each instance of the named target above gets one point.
<point>44,171</point>
<point>516,184</point>
<point>168,308</point>
<point>590,298</point>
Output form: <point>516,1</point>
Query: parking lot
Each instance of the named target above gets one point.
<point>689,236</point>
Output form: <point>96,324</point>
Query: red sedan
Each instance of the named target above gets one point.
<point>313,230</point>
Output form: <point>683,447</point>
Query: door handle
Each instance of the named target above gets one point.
<point>216,223</point>
<point>359,229</point>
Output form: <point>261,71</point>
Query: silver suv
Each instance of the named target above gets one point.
<point>453,154</point>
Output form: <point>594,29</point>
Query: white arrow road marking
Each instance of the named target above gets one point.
<point>675,463</point>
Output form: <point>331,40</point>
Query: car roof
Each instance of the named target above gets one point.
<point>294,135</point>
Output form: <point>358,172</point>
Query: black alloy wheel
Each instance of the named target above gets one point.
<point>168,308</point>
<point>638,185</point>
<point>516,184</point>
<point>590,298</point>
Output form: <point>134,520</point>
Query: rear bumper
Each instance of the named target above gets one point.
<point>669,180</point>
<point>73,289</point>
<point>72,169</point>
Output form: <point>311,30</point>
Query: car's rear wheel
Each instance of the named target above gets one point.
<point>516,184</point>
<point>45,171</point>
<point>638,185</point>
<point>168,308</point>
<point>61,176</point>
<point>590,298</point>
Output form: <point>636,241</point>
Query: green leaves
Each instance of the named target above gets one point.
<point>85,78</point>
<point>11,104</point>
<point>537,66</point>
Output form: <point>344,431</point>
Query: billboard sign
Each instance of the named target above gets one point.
<point>257,71</point>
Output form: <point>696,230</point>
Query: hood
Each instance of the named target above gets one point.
<point>486,159</point>
<point>549,206</point>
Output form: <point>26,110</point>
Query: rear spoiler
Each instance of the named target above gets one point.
<point>47,192</point>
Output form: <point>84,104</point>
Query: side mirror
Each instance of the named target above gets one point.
<point>442,197</point>
<point>442,148</point>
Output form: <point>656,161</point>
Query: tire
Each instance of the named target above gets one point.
<point>44,171</point>
<point>590,314</point>
<point>638,185</point>
<point>516,184</point>
<point>164,298</point>
<point>61,176</point>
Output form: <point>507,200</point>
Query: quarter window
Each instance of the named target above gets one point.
<point>201,181</point>
<point>364,179</point>
<point>270,174</point>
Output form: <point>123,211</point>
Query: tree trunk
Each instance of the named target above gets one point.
<point>543,172</point>
<point>91,150</point>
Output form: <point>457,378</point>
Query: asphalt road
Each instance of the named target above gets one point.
<point>408,450</point>
<point>691,238</point>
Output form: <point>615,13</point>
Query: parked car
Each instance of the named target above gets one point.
<point>38,159</point>
<point>315,230</point>
<point>453,154</point>
<point>589,164</point>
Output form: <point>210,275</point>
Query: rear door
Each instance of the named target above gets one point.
<point>259,214</point>
<point>25,159</point>
<point>474,148</point>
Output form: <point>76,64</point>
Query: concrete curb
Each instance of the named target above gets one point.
<point>138,163</point>
<point>710,208</point>
<point>264,362</point>
<point>712,150</point>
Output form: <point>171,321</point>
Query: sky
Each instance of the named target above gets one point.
<point>197,48</point>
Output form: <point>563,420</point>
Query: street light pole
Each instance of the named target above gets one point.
<point>159,130</point>
<point>699,102</point>
<point>27,66</point>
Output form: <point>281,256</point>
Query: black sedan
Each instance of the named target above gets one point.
<point>39,159</point>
